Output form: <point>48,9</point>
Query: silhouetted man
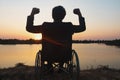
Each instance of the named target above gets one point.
<point>57,35</point>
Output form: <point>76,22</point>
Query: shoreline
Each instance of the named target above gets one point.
<point>25,72</point>
<point>32,41</point>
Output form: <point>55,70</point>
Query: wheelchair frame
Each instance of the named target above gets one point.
<point>70,69</point>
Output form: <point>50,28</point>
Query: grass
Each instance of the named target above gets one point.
<point>25,72</point>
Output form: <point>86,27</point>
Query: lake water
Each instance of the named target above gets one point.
<point>90,55</point>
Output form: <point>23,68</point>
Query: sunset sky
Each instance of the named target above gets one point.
<point>102,17</point>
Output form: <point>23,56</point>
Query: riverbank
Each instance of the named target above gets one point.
<point>25,72</point>
<point>32,41</point>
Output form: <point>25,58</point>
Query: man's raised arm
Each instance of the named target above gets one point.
<point>30,22</point>
<point>81,27</point>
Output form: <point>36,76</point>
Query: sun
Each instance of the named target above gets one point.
<point>37,36</point>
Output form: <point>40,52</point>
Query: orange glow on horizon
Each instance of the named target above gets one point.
<point>37,36</point>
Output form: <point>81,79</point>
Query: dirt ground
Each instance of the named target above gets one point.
<point>27,73</point>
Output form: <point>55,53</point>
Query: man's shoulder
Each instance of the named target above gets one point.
<point>47,23</point>
<point>58,23</point>
<point>67,23</point>
<point>54,24</point>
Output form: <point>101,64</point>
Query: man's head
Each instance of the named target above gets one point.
<point>58,13</point>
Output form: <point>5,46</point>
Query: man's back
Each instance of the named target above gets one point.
<point>57,40</point>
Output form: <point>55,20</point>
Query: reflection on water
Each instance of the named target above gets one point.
<point>89,55</point>
<point>12,54</point>
<point>98,54</point>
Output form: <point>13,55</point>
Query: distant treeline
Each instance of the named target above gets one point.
<point>107,42</point>
<point>32,41</point>
<point>17,41</point>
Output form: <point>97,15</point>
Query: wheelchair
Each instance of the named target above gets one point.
<point>70,70</point>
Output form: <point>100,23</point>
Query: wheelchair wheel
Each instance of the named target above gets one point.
<point>75,73</point>
<point>38,65</point>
